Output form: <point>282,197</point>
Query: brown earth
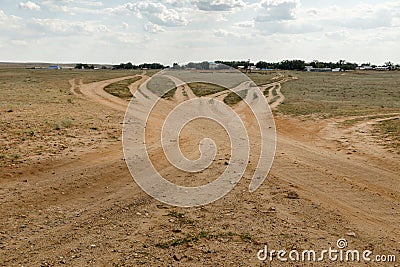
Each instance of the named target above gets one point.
<point>326,183</point>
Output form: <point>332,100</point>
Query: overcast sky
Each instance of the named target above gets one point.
<point>168,31</point>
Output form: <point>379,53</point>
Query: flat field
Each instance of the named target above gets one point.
<point>67,197</point>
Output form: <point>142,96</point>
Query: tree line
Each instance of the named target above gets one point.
<point>130,66</point>
<point>295,64</point>
<point>124,66</point>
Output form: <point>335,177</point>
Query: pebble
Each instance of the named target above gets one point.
<point>177,257</point>
<point>351,233</point>
<point>292,195</point>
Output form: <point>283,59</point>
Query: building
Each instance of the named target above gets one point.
<point>309,68</point>
<point>382,68</point>
<point>53,67</point>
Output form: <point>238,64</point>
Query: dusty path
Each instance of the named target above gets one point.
<point>89,212</point>
<point>183,91</point>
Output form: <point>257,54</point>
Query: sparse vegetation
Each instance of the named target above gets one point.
<point>189,238</point>
<point>204,89</point>
<point>263,77</point>
<point>233,98</point>
<point>341,94</point>
<point>34,103</point>
<point>180,217</point>
<point>390,129</point>
<point>121,88</point>
<point>169,94</point>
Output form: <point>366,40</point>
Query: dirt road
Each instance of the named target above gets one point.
<point>89,212</point>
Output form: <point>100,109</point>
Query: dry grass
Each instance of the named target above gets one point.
<point>390,130</point>
<point>204,89</point>
<point>121,88</point>
<point>233,98</point>
<point>341,94</point>
<point>263,77</point>
<point>40,118</point>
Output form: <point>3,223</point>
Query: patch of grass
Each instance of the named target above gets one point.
<point>233,98</point>
<point>176,214</point>
<point>274,93</point>
<point>204,89</point>
<point>255,96</point>
<point>181,217</point>
<point>204,235</point>
<point>263,77</point>
<point>390,130</point>
<point>273,99</point>
<point>266,91</point>
<point>246,237</point>
<point>177,242</point>
<point>169,94</point>
<point>120,89</point>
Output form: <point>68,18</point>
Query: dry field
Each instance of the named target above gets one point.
<point>68,199</point>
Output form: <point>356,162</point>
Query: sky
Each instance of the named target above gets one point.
<point>167,31</point>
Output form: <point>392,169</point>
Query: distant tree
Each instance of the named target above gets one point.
<point>126,66</point>
<point>349,66</point>
<point>152,66</point>
<point>292,65</point>
<point>81,66</point>
<point>317,64</point>
<point>390,65</point>
<point>235,64</point>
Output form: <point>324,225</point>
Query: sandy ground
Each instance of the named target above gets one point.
<point>326,183</point>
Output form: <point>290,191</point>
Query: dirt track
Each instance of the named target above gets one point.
<point>88,211</point>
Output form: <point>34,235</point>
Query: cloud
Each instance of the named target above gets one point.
<point>19,42</point>
<point>157,13</point>
<point>64,27</point>
<point>224,33</point>
<point>10,22</point>
<point>338,35</point>
<point>125,25</point>
<point>245,24</point>
<point>373,19</point>
<point>218,5</point>
<point>75,6</point>
<point>75,2</point>
<point>278,10</point>
<point>152,28</point>
<point>128,38</point>
<point>288,27</point>
<point>29,5</point>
